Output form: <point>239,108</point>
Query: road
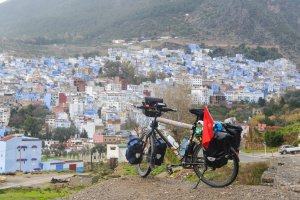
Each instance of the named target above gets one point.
<point>246,157</point>
<point>28,180</point>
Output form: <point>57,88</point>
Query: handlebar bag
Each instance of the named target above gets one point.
<point>134,151</point>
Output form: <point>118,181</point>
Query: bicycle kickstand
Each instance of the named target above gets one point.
<point>197,184</point>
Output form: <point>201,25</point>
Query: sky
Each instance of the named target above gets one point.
<point>1,1</point>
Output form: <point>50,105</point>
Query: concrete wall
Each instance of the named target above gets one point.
<point>2,156</point>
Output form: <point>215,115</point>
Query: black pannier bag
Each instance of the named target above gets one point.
<point>149,106</point>
<point>216,155</point>
<point>134,152</point>
<point>235,132</point>
<point>161,148</point>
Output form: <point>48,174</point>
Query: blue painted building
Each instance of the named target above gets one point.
<point>20,153</point>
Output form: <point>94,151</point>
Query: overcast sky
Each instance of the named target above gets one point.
<point>1,1</point>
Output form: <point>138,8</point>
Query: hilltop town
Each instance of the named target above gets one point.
<point>80,102</point>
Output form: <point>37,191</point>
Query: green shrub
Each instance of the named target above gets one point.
<point>274,139</point>
<point>296,142</point>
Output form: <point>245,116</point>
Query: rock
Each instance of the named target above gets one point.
<point>268,178</point>
<point>2,179</point>
<point>295,188</point>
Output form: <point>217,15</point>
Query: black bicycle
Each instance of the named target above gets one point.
<point>195,156</point>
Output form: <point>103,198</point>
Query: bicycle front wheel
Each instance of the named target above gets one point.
<point>144,168</point>
<point>215,177</point>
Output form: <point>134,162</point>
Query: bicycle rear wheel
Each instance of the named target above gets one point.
<point>144,168</point>
<point>219,177</point>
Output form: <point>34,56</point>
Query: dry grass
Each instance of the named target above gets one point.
<point>250,173</point>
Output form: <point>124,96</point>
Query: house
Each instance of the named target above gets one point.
<point>116,151</point>
<point>62,165</point>
<point>4,115</point>
<point>201,95</point>
<point>218,99</point>
<point>20,153</point>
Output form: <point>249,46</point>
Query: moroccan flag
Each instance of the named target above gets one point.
<point>208,132</point>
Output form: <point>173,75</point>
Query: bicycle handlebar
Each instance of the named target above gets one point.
<point>163,109</point>
<point>168,110</point>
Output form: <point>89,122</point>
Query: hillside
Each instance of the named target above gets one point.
<point>272,22</point>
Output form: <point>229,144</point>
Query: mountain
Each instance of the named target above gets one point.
<point>263,22</point>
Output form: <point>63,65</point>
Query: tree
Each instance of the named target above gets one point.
<point>99,112</point>
<point>97,148</point>
<point>84,134</point>
<point>47,153</point>
<point>32,125</point>
<point>274,139</point>
<point>177,97</point>
<point>112,69</point>
<point>30,118</point>
<point>63,134</point>
<point>261,102</point>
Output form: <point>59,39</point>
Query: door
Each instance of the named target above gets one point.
<point>59,167</point>
<point>72,167</point>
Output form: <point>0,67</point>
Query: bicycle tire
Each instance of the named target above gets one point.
<point>144,168</point>
<point>227,181</point>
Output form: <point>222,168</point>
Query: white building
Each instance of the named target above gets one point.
<point>116,151</point>
<point>243,96</point>
<point>201,95</point>
<point>76,108</point>
<point>20,153</point>
<point>196,82</point>
<point>4,115</point>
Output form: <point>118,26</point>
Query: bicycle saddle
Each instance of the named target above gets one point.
<point>198,112</point>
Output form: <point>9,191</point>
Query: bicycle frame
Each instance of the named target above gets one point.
<point>154,131</point>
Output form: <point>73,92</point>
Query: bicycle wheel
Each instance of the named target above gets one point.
<point>144,168</point>
<point>219,177</point>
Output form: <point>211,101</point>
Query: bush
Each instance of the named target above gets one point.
<point>296,142</point>
<point>274,139</point>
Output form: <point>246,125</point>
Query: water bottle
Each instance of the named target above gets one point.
<point>198,131</point>
<point>174,144</point>
<point>183,145</point>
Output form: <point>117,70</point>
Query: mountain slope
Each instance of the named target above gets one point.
<point>95,21</point>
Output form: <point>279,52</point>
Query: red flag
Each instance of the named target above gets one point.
<point>208,132</point>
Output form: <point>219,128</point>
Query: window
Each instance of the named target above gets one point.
<point>112,148</point>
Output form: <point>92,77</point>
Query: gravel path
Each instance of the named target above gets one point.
<point>158,188</point>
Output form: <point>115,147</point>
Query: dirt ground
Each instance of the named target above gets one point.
<point>31,180</point>
<point>160,188</point>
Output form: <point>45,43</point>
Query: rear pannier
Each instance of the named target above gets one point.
<point>235,132</point>
<point>134,150</point>
<point>216,155</point>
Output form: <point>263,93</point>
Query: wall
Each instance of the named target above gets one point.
<point>2,156</point>
<point>112,151</point>
<point>12,154</point>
